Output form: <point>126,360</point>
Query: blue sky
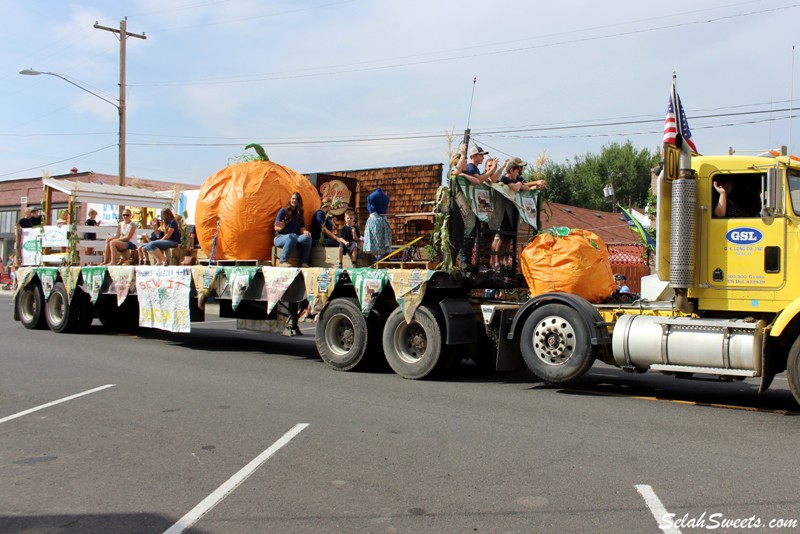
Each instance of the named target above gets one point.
<point>353,84</point>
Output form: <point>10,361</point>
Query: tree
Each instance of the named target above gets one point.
<point>580,182</point>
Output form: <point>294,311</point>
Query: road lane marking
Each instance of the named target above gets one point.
<point>656,508</point>
<point>207,504</point>
<point>688,403</point>
<point>59,401</point>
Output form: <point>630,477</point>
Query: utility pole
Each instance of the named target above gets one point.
<point>123,36</point>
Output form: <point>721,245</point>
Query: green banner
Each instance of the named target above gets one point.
<point>93,278</point>
<point>48,277</point>
<point>368,284</point>
<point>482,201</point>
<point>239,279</point>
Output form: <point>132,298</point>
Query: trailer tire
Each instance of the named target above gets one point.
<point>416,350</point>
<point>30,305</point>
<point>793,370</point>
<point>61,314</point>
<point>555,344</point>
<point>342,335</point>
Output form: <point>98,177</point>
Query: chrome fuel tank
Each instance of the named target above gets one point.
<point>723,344</point>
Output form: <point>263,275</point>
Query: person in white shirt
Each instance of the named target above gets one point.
<point>120,241</point>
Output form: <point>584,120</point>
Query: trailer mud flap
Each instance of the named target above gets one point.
<point>460,321</point>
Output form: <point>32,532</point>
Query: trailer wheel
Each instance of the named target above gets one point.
<point>342,335</point>
<point>555,344</point>
<point>416,350</point>
<point>793,370</point>
<point>61,315</point>
<point>30,303</point>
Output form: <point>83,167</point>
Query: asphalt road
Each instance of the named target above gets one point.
<point>235,432</point>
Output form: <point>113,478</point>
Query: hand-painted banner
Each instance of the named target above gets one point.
<point>70,276</point>
<point>239,279</point>
<point>122,278</point>
<point>93,278</point>
<point>164,297</point>
<point>368,284</point>
<point>319,286</point>
<point>409,289</point>
<point>276,281</point>
<point>48,277</point>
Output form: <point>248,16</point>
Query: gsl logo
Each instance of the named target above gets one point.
<point>744,236</point>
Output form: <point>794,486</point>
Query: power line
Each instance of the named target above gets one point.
<point>284,75</point>
<point>71,158</point>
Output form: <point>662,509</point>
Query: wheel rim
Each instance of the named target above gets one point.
<point>554,340</point>
<point>340,334</point>
<point>55,307</point>
<point>27,306</point>
<point>410,342</point>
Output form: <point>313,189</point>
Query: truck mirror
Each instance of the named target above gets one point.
<point>771,194</point>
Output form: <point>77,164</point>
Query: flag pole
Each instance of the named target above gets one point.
<point>685,164</point>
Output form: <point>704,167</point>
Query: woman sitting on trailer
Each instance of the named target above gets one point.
<point>171,239</point>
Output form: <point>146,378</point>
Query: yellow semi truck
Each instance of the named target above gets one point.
<point>733,308</point>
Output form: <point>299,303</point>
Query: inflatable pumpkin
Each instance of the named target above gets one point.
<point>246,197</point>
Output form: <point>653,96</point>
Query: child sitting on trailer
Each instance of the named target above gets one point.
<point>349,237</point>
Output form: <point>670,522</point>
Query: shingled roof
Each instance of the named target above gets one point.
<point>610,227</point>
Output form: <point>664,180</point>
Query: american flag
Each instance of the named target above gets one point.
<point>672,127</point>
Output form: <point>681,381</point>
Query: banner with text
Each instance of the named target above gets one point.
<point>164,297</point>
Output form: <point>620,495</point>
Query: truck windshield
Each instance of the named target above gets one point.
<point>794,191</point>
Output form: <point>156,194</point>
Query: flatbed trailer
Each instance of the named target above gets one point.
<point>734,312</point>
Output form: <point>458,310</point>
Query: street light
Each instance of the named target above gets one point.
<point>120,105</point>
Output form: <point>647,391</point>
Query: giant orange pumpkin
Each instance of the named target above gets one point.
<point>246,197</point>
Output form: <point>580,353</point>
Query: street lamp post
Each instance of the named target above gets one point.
<point>120,108</point>
<point>120,104</point>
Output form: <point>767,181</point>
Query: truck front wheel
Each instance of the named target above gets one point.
<point>415,350</point>
<point>793,370</point>
<point>30,304</point>
<point>555,344</point>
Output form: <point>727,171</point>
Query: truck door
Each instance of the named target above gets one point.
<point>743,252</point>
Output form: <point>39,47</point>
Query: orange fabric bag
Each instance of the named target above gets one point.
<point>571,261</point>
<point>246,198</point>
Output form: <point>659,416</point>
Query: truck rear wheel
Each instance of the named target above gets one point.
<point>60,314</point>
<point>30,304</point>
<point>555,344</point>
<point>793,370</point>
<point>415,350</point>
<point>342,335</point>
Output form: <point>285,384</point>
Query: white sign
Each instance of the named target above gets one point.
<point>164,297</point>
<point>55,236</point>
<point>31,253</point>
